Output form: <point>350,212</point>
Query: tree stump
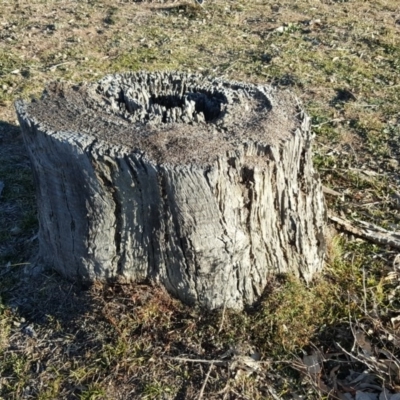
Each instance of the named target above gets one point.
<point>203,185</point>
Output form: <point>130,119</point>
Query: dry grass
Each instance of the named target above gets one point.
<point>59,340</point>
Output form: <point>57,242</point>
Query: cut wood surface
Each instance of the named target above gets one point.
<point>203,185</point>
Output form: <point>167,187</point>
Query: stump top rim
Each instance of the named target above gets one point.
<point>255,115</point>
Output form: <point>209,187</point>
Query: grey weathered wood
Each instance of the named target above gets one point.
<point>205,186</point>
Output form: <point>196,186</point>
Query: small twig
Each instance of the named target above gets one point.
<point>371,363</point>
<point>367,105</point>
<point>17,265</point>
<point>370,203</point>
<point>365,292</point>
<point>361,360</point>
<point>225,390</point>
<point>7,268</point>
<point>59,65</point>
<point>330,191</point>
<point>273,394</point>
<point>205,381</point>
<point>239,395</point>
<point>354,152</point>
<point>198,360</point>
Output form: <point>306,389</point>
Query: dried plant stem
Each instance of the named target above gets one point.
<point>199,360</point>
<point>206,380</point>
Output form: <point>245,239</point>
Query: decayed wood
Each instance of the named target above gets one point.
<point>206,186</point>
<point>369,232</point>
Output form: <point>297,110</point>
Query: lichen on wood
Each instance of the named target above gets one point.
<point>203,185</point>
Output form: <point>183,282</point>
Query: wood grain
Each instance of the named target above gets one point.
<point>206,186</point>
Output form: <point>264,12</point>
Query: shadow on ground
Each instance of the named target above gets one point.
<point>18,239</point>
<point>40,306</point>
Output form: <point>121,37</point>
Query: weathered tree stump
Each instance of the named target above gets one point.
<point>206,186</point>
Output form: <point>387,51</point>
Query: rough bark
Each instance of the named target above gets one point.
<point>205,186</point>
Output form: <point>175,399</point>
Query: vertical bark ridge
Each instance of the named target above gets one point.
<point>204,185</point>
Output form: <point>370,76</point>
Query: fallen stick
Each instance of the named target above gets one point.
<point>370,232</point>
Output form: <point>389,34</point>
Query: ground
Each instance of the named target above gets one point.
<point>62,340</point>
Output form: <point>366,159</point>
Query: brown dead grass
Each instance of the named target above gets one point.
<point>59,340</point>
